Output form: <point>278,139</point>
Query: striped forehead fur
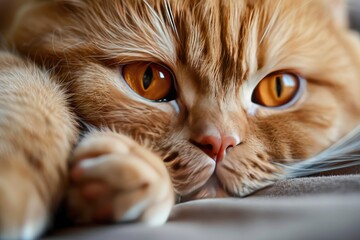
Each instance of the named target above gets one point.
<point>219,41</point>
<point>125,31</point>
<point>209,36</point>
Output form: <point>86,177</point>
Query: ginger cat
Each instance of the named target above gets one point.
<point>119,106</point>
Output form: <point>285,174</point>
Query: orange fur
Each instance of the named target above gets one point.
<point>217,50</point>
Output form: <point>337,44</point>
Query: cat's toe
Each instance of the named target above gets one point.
<point>23,213</point>
<point>120,186</point>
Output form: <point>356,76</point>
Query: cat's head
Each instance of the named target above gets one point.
<point>221,90</point>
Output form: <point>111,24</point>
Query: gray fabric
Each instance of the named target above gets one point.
<point>354,9</point>
<point>306,208</point>
<point>313,186</point>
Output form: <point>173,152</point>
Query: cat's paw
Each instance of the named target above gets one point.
<point>23,210</point>
<point>116,180</point>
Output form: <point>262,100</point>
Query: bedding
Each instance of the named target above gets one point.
<point>324,207</point>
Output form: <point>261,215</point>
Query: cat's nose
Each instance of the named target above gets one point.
<point>216,147</point>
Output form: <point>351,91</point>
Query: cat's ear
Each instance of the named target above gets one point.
<point>338,10</point>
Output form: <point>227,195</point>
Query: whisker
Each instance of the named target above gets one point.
<point>170,17</point>
<point>343,154</point>
<point>310,171</point>
<point>271,22</point>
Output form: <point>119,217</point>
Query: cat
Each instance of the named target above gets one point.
<point>123,108</point>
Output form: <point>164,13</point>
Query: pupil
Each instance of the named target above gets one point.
<point>148,77</point>
<point>278,87</point>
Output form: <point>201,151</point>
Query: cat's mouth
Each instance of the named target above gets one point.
<point>211,189</point>
<point>205,182</point>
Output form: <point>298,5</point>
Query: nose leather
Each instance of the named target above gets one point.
<point>227,143</point>
<point>210,145</point>
<point>215,146</point>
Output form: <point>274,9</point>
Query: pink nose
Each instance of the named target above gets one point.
<point>215,147</point>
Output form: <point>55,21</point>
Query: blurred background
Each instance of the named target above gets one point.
<point>7,10</point>
<point>354,9</point>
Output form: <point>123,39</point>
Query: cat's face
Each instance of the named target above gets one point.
<point>244,84</point>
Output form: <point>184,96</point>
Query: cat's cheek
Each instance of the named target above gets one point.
<point>244,170</point>
<point>190,171</point>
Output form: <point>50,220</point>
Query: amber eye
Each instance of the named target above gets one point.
<point>150,80</point>
<point>276,90</point>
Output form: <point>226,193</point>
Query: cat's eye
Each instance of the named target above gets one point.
<point>150,80</point>
<point>276,90</point>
